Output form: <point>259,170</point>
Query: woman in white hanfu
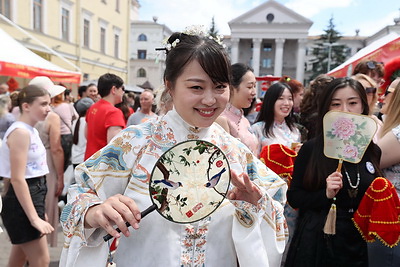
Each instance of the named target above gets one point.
<point>112,186</point>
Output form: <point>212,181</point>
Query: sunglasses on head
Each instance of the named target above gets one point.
<point>372,64</point>
<point>389,90</point>
<point>370,90</point>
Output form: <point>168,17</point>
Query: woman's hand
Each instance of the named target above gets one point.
<point>116,210</point>
<point>42,226</point>
<point>333,184</point>
<point>244,189</point>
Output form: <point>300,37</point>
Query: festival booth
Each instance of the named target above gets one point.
<point>18,61</point>
<point>381,50</point>
<point>266,82</point>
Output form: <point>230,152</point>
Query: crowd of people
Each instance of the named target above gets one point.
<point>282,189</point>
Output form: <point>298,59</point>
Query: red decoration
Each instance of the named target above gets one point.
<point>390,67</point>
<point>378,214</point>
<point>264,86</point>
<point>12,85</point>
<point>280,159</point>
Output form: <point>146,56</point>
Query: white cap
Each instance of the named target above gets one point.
<point>45,83</point>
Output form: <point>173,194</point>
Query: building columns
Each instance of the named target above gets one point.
<point>235,50</point>
<point>256,56</point>
<point>278,64</point>
<point>301,54</point>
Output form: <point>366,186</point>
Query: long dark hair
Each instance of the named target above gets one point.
<point>267,111</point>
<point>211,56</point>
<point>238,71</point>
<point>315,177</point>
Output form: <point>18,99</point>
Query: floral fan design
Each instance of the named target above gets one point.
<point>347,135</point>
<point>190,181</point>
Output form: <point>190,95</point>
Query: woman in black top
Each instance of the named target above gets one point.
<point>316,182</point>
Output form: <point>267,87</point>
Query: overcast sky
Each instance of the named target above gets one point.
<point>369,16</point>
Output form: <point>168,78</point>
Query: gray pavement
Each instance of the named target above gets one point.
<point>5,247</point>
<point>5,244</point>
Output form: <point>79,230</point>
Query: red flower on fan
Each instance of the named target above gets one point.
<point>219,163</point>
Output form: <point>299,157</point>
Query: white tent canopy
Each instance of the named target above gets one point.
<point>378,50</point>
<point>18,61</point>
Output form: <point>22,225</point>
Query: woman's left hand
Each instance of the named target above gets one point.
<point>244,189</point>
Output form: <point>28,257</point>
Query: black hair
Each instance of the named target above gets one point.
<point>106,82</point>
<point>238,71</point>
<point>325,99</point>
<point>246,111</point>
<point>315,177</point>
<point>211,56</point>
<point>267,111</point>
<point>81,90</point>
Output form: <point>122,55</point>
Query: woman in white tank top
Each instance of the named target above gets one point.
<point>24,165</point>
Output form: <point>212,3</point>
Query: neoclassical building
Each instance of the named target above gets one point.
<point>272,39</point>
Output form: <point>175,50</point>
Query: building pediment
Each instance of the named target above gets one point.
<point>270,13</point>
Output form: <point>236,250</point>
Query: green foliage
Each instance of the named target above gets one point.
<point>213,31</point>
<point>328,41</point>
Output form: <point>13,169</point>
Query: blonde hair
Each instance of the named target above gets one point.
<point>360,77</point>
<point>392,118</point>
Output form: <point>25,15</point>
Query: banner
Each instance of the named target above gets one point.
<point>28,72</point>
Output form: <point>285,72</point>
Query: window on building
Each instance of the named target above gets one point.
<point>116,45</point>
<point>267,47</point>
<point>142,54</point>
<point>117,5</point>
<point>37,15</point>
<point>142,37</point>
<point>65,24</point>
<point>267,63</point>
<point>5,8</point>
<point>86,33</point>
<point>102,40</point>
<point>141,73</point>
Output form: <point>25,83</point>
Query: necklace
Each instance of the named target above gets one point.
<point>353,191</point>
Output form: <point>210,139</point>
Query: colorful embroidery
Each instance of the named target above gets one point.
<point>193,243</point>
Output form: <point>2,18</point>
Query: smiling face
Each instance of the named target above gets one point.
<point>196,98</point>
<point>346,99</point>
<point>283,106</point>
<point>246,91</point>
<point>92,92</point>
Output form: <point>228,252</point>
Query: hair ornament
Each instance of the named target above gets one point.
<point>198,30</point>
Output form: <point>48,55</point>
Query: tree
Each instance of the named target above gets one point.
<point>328,53</point>
<point>213,31</point>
